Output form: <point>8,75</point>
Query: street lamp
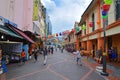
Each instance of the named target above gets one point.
<point>104,73</point>
<point>105,9</point>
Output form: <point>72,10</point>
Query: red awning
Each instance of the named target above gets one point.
<point>22,34</point>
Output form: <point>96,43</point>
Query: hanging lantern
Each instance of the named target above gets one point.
<point>104,13</point>
<point>98,22</point>
<point>83,27</point>
<point>56,34</point>
<point>60,34</point>
<point>106,16</point>
<point>108,2</point>
<point>106,7</point>
<point>77,29</point>
<point>91,24</point>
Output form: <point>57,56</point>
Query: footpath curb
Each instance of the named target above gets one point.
<point>95,64</point>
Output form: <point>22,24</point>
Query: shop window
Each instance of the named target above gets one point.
<point>109,42</point>
<point>93,20</point>
<point>117,9</point>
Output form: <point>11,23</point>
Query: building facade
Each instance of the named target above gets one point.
<point>48,24</point>
<point>92,38</point>
<point>19,12</point>
<point>70,41</point>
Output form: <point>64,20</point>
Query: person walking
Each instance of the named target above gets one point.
<point>45,55</point>
<point>62,49</point>
<point>23,56</point>
<point>110,54</point>
<point>79,57</point>
<point>49,50</point>
<point>52,49</point>
<point>99,54</point>
<point>56,48</point>
<point>3,67</point>
<point>35,54</point>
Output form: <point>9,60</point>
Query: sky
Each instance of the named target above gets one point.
<point>64,13</point>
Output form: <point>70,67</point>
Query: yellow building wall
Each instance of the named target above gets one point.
<point>35,10</point>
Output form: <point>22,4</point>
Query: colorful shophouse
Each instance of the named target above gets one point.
<point>92,38</point>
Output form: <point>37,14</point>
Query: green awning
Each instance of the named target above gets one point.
<point>7,31</point>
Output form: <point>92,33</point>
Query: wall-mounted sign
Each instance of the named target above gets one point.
<point>1,22</point>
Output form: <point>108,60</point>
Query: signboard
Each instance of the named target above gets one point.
<point>35,10</point>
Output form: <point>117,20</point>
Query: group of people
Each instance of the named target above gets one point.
<point>34,54</point>
<point>45,51</point>
<point>112,54</point>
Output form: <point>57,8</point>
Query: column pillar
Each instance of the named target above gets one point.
<point>89,45</point>
<point>77,43</point>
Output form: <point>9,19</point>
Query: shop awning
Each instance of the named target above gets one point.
<point>8,31</point>
<point>22,34</point>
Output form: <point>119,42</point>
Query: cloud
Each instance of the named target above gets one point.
<point>64,13</point>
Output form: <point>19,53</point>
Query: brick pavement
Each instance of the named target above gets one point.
<point>112,75</point>
<point>60,66</point>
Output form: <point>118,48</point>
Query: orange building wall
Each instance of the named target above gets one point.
<point>100,43</point>
<point>89,45</point>
<point>77,44</point>
<point>116,44</point>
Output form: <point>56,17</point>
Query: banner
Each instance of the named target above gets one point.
<point>35,10</point>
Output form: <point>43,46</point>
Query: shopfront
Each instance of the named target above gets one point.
<point>13,40</point>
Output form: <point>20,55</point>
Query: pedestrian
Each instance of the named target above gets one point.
<point>110,54</point>
<point>35,54</point>
<point>78,57</point>
<point>52,49</point>
<point>45,55</point>
<point>3,67</point>
<point>56,48</point>
<point>114,55</point>
<point>23,55</point>
<point>99,52</point>
<point>49,49</point>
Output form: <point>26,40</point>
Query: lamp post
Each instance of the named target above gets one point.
<point>104,73</point>
<point>105,9</point>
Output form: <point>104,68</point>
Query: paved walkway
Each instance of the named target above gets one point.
<point>60,66</point>
<point>112,70</point>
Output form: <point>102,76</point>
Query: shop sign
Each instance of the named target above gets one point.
<point>1,22</point>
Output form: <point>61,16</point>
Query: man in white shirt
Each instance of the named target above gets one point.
<point>78,57</point>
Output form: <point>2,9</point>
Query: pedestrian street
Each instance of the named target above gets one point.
<point>60,66</point>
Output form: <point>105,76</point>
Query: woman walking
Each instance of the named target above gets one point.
<point>79,57</point>
<point>45,55</point>
<point>35,54</point>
